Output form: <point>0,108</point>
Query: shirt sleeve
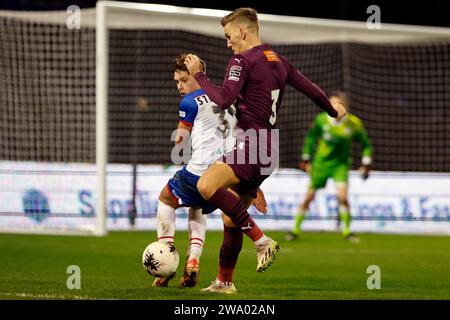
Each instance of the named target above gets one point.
<point>188,111</point>
<point>366,145</point>
<point>225,95</point>
<point>310,89</point>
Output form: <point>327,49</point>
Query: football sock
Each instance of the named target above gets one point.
<point>229,252</point>
<point>234,208</point>
<point>298,222</point>
<point>345,217</point>
<point>165,222</point>
<point>197,231</point>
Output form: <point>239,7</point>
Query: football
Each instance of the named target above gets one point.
<point>160,259</point>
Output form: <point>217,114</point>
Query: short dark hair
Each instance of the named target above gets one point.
<point>180,66</point>
<point>246,15</point>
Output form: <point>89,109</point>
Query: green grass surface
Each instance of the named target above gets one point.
<point>317,266</point>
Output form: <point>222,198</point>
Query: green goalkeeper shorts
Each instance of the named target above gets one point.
<point>321,172</point>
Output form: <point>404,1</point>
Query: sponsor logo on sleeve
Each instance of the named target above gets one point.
<point>271,56</point>
<point>235,73</point>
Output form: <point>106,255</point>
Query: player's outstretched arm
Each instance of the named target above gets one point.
<point>225,95</point>
<point>314,92</point>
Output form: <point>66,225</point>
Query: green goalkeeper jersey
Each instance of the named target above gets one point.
<point>330,141</point>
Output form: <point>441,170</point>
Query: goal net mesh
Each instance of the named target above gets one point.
<point>47,96</point>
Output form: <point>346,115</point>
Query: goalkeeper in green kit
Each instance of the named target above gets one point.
<point>332,140</point>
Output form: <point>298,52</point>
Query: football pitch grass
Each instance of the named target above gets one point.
<point>317,266</point>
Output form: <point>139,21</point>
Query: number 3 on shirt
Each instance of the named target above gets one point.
<point>273,117</point>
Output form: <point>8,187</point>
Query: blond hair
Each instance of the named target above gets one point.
<point>247,16</point>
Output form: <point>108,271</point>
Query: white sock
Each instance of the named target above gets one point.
<point>197,233</point>
<point>165,222</point>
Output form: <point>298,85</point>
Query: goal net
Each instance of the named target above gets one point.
<point>87,113</point>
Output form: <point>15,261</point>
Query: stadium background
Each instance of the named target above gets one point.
<point>427,13</point>
<point>407,85</point>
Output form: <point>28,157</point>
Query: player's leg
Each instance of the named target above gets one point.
<point>231,244</point>
<point>229,253</point>
<point>182,188</point>
<point>197,233</point>
<point>219,175</point>
<point>165,215</point>
<point>344,208</point>
<point>213,186</point>
<point>318,179</point>
<point>341,180</point>
<point>300,216</point>
<point>165,225</point>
